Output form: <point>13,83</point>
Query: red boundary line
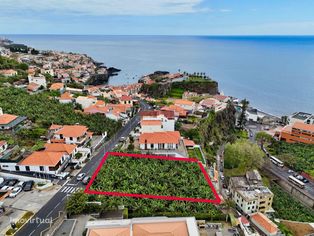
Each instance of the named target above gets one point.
<point>217,199</point>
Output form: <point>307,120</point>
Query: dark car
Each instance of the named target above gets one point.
<point>28,185</point>
<point>4,183</point>
<point>305,180</point>
<point>12,182</point>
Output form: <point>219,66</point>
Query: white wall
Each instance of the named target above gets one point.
<point>167,146</point>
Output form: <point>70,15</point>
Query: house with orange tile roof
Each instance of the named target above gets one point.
<point>8,73</point>
<point>179,112</point>
<point>126,99</point>
<point>222,98</point>
<point>168,140</point>
<point>264,225</point>
<point>146,226</point>
<point>149,117</point>
<point>187,105</point>
<point>212,104</point>
<point>66,98</point>
<point>298,132</point>
<point>71,134</point>
<point>86,101</point>
<point>44,162</point>
<point>10,122</point>
<point>33,87</point>
<point>40,80</point>
<point>57,87</point>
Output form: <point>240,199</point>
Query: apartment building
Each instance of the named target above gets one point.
<point>298,132</point>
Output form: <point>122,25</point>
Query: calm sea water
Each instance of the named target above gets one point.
<point>275,73</point>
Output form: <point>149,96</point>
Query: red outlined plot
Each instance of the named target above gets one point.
<point>217,199</point>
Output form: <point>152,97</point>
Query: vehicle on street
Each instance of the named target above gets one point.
<point>290,171</point>
<point>1,180</point>
<point>15,192</point>
<point>80,176</point>
<point>305,180</point>
<point>296,181</point>
<point>7,188</point>
<point>300,177</point>
<point>276,161</point>
<point>28,185</point>
<point>12,182</point>
<point>4,183</point>
<point>86,180</point>
<point>21,184</point>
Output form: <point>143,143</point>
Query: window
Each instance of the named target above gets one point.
<point>17,168</point>
<point>248,208</point>
<point>71,138</point>
<point>41,168</point>
<point>27,168</point>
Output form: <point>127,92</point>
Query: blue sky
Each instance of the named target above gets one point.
<point>158,17</point>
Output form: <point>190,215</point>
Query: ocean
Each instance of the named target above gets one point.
<point>275,73</point>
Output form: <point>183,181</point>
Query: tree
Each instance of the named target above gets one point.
<point>77,203</point>
<point>244,155</point>
<point>262,137</point>
<point>242,118</point>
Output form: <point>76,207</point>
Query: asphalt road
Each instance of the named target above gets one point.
<point>40,221</point>
<point>283,174</point>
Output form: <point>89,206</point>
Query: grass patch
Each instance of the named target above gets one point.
<point>288,208</point>
<point>176,92</point>
<point>196,153</point>
<point>20,223</point>
<point>152,176</point>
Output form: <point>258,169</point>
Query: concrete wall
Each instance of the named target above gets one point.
<point>299,194</point>
<point>23,178</point>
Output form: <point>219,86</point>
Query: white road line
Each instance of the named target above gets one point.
<point>73,190</point>
<point>65,189</point>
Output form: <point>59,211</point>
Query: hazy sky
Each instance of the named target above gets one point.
<point>170,17</point>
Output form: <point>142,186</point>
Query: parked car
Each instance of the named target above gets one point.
<point>1,180</point>
<point>305,180</point>
<point>300,177</point>
<point>21,184</point>
<point>4,183</point>
<point>86,180</point>
<point>7,188</point>
<point>290,171</point>
<point>80,176</point>
<point>12,182</point>
<point>28,185</point>
<point>15,192</point>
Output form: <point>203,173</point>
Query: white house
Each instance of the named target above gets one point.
<point>157,121</point>
<point>44,162</point>
<point>187,105</point>
<point>254,115</point>
<point>71,134</point>
<point>40,80</point>
<point>168,140</point>
<point>86,101</point>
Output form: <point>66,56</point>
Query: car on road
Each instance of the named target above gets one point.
<point>305,180</point>
<point>12,182</point>
<point>15,192</point>
<point>7,188</point>
<point>86,180</point>
<point>290,171</point>
<point>21,184</point>
<point>80,176</point>
<point>1,180</point>
<point>28,185</point>
<point>300,177</point>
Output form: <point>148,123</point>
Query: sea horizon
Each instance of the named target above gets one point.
<point>265,69</point>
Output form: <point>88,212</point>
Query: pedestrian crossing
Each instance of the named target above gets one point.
<point>69,189</point>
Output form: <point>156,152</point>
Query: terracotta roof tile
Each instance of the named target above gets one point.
<point>56,86</point>
<point>6,119</point>
<point>42,159</point>
<point>72,130</point>
<point>150,122</point>
<point>160,137</point>
<point>303,126</point>
<point>60,147</point>
<point>264,222</point>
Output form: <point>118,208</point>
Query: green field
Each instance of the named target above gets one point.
<point>196,153</point>
<point>176,93</point>
<point>299,157</point>
<point>152,176</point>
<point>288,208</point>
